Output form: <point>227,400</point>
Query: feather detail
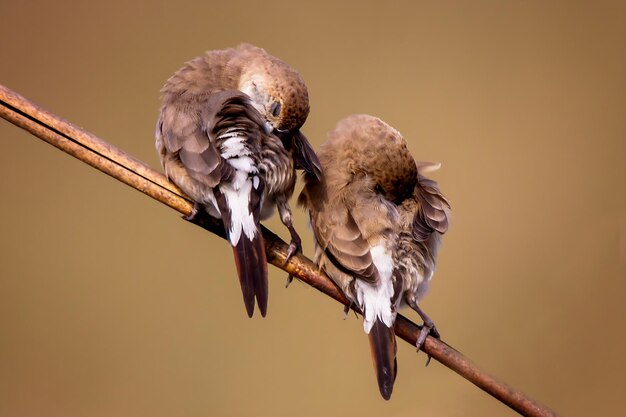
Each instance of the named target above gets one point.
<point>383,349</point>
<point>433,212</point>
<point>304,156</point>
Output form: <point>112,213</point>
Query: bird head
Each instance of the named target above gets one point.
<point>367,149</point>
<point>277,91</point>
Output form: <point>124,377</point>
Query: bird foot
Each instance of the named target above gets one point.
<point>196,215</point>
<point>428,328</point>
<point>295,246</point>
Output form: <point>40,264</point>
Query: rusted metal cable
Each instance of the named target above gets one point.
<point>116,163</point>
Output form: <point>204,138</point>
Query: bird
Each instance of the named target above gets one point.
<point>228,135</point>
<point>377,223</point>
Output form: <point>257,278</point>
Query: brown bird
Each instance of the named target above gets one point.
<point>377,223</point>
<point>228,135</point>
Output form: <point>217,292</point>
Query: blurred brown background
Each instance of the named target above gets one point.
<point>111,305</point>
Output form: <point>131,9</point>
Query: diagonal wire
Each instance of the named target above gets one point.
<point>134,173</point>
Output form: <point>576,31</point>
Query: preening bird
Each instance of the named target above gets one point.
<point>228,135</point>
<point>377,223</point>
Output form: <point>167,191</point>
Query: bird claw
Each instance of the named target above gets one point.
<point>196,214</point>
<point>346,310</point>
<point>427,328</point>
<point>421,338</point>
<point>289,280</point>
<point>434,332</point>
<point>294,247</point>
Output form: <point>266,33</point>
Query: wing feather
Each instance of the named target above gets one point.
<point>433,212</point>
<point>337,232</point>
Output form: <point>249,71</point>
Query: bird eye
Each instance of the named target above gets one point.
<point>378,189</point>
<point>275,108</point>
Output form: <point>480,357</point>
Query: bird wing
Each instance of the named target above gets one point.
<point>337,232</point>
<point>184,136</point>
<point>347,248</point>
<point>433,212</point>
<point>191,131</point>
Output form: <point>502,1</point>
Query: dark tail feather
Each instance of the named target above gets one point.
<point>304,156</point>
<point>252,270</point>
<point>383,348</point>
<point>249,254</point>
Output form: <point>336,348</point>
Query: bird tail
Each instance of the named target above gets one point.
<point>383,348</point>
<point>252,270</point>
<point>241,216</point>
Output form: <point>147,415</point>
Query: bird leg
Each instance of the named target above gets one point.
<point>296,243</point>
<point>285,216</point>
<point>427,328</point>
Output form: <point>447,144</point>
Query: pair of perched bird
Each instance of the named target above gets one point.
<point>229,136</point>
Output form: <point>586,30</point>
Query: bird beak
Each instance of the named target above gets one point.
<point>268,128</point>
<point>284,135</point>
